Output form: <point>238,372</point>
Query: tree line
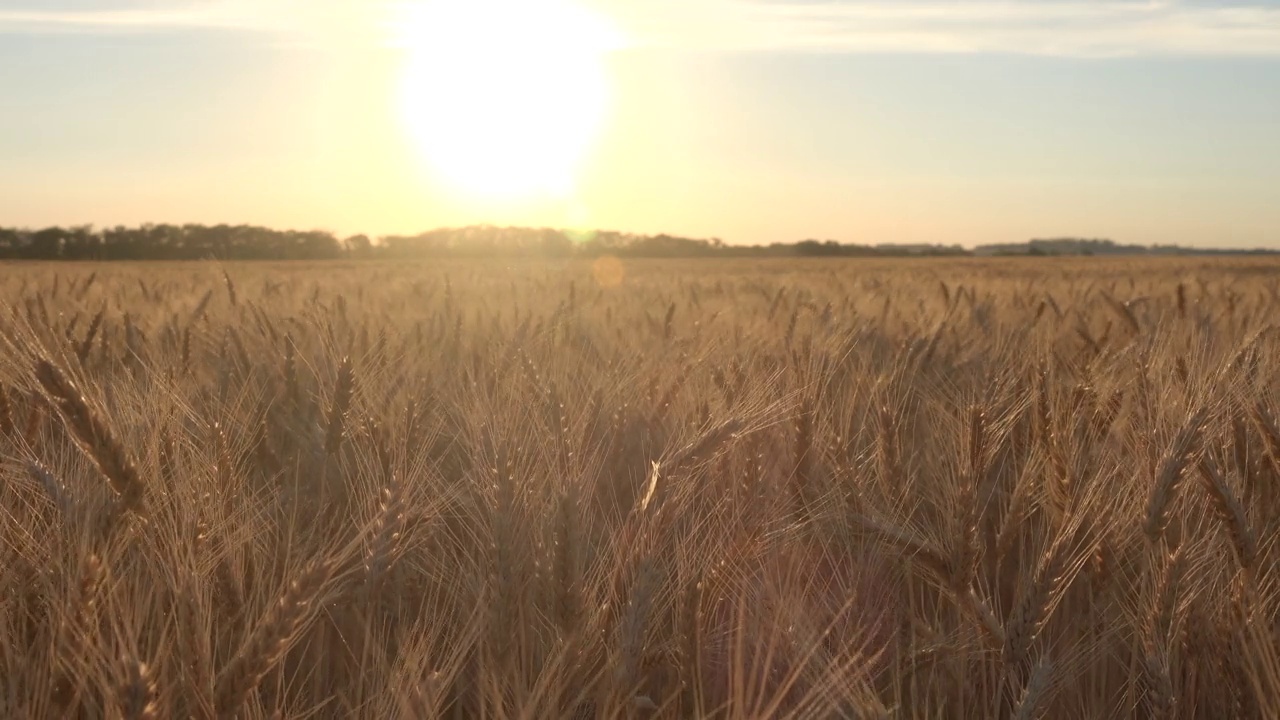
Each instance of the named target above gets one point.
<point>249,242</point>
<point>172,242</point>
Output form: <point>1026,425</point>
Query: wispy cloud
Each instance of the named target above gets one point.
<point>1041,27</point>
<point>229,15</point>
<point>285,19</point>
<point>1090,28</point>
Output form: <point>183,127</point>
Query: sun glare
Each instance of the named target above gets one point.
<point>503,98</point>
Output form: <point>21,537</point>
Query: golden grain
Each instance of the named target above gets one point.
<point>728,488</point>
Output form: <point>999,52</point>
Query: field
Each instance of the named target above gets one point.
<point>863,489</point>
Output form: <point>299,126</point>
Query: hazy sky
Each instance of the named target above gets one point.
<point>750,120</point>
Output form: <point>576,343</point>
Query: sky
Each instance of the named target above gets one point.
<point>754,121</point>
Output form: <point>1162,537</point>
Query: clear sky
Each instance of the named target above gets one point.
<point>939,121</point>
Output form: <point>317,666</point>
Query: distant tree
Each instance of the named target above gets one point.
<point>47,244</point>
<point>12,242</point>
<point>358,245</point>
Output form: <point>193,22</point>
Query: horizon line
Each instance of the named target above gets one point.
<point>570,231</point>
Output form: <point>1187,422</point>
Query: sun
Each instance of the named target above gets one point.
<point>504,98</point>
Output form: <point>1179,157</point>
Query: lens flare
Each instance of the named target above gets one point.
<point>608,271</point>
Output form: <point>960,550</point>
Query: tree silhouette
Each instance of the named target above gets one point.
<point>248,242</point>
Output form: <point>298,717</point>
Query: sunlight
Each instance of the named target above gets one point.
<point>503,98</point>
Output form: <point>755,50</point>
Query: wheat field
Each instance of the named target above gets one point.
<point>647,489</point>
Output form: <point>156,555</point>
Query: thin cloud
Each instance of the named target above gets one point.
<point>209,16</point>
<point>1088,28</point>
<point>289,20</point>
<point>1083,28</point>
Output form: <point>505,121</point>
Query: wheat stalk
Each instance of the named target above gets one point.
<point>7,427</point>
<point>566,561</point>
<point>75,630</point>
<point>201,307</point>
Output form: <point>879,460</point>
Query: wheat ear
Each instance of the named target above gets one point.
<point>386,535</point>
<point>705,446</point>
<point>342,392</point>
<point>1168,477</point>
<point>275,632</point>
<point>231,288</point>
<point>83,348</point>
<point>1033,697</point>
<point>1231,512</point>
<point>138,692</point>
<point>1032,611</point>
<point>93,436</point>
